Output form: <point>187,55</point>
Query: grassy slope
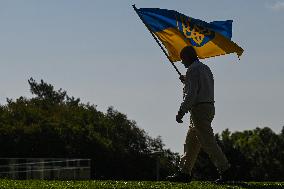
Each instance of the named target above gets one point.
<point>146,185</point>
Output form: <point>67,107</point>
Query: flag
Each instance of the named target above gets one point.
<point>176,30</point>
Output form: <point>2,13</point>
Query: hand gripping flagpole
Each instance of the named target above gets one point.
<point>160,45</point>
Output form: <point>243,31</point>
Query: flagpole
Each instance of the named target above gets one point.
<point>160,45</point>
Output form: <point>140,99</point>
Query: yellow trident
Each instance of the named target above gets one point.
<point>197,33</point>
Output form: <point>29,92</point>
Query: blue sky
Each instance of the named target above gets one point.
<point>100,51</point>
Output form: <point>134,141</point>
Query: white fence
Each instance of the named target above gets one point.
<point>45,168</point>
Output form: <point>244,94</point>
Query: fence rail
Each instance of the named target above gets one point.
<point>45,168</point>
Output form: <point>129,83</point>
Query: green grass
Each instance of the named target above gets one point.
<point>24,184</point>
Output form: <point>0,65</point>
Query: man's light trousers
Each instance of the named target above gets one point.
<point>200,135</point>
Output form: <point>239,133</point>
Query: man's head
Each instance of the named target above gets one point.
<point>188,56</point>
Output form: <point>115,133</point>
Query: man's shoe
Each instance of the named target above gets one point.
<point>221,180</point>
<point>179,177</point>
<point>224,176</point>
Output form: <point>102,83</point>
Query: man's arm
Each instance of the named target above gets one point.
<point>191,81</point>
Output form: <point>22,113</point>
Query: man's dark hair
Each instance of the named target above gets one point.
<point>188,51</point>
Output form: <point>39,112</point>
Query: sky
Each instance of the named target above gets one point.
<point>99,51</point>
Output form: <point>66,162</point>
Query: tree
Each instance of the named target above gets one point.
<point>52,124</point>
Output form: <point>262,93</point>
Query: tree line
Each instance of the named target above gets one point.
<point>52,124</point>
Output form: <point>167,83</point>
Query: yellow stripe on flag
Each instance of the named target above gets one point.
<point>174,42</point>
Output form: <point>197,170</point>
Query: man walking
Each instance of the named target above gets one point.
<point>199,101</point>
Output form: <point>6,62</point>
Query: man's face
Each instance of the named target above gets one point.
<point>186,64</point>
<point>187,60</point>
<point>188,56</point>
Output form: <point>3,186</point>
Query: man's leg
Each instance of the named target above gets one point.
<point>191,150</point>
<point>202,116</point>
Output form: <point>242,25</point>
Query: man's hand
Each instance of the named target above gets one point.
<point>179,117</point>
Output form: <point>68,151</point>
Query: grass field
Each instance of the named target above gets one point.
<point>38,184</point>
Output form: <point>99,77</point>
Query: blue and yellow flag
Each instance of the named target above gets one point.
<point>176,31</point>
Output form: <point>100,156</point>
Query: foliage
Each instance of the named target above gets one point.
<point>52,124</point>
